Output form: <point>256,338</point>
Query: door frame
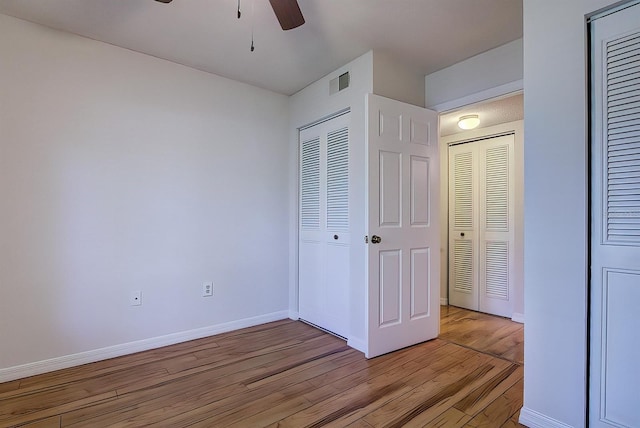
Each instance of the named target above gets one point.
<point>517,129</point>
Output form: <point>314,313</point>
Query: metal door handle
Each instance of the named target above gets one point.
<point>375,239</point>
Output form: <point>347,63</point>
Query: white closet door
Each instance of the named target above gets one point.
<point>496,238</point>
<point>615,234</point>
<point>324,237</point>
<point>481,225</point>
<point>463,233</point>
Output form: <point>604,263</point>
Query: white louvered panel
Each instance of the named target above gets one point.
<point>310,185</point>
<point>497,189</point>
<point>463,188</point>
<point>463,259</point>
<point>497,269</point>
<point>338,179</point>
<point>622,100</point>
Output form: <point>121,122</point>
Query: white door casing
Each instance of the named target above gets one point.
<point>615,220</point>
<point>482,225</point>
<point>403,295</point>
<point>324,238</point>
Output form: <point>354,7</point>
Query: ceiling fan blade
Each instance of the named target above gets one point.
<point>165,1</point>
<point>288,13</point>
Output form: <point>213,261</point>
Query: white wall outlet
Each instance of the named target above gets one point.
<point>136,298</point>
<point>207,289</point>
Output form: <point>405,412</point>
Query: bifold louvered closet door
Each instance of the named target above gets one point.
<point>324,239</point>
<point>481,225</point>
<point>615,213</point>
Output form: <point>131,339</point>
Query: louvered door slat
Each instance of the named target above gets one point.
<point>629,114</point>
<point>497,189</point>
<point>624,128</point>
<point>625,88</point>
<point>618,145</point>
<point>622,120</point>
<point>463,273</point>
<point>627,110</point>
<point>338,179</point>
<point>622,102</point>
<point>497,270</point>
<point>310,185</point>
<point>623,47</point>
<point>463,188</point>
<point>622,113</point>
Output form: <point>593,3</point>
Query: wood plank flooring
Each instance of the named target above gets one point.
<point>288,374</point>
<point>486,333</point>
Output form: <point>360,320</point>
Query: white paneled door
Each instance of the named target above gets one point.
<point>324,239</point>
<point>615,220</point>
<point>482,225</point>
<point>403,243</point>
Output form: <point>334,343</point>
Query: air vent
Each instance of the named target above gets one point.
<point>339,83</point>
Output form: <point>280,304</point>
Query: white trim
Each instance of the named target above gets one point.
<point>516,317</point>
<point>534,419</point>
<point>487,94</point>
<point>294,315</point>
<point>610,10</point>
<point>358,344</point>
<point>39,367</point>
<point>326,118</point>
<point>444,301</point>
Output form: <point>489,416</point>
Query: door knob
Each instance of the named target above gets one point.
<point>462,234</point>
<point>375,239</point>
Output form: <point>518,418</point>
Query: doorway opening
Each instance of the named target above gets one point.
<point>481,207</point>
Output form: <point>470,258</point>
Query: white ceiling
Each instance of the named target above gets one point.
<point>490,113</point>
<point>205,34</point>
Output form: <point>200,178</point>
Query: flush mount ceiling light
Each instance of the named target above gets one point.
<point>469,121</point>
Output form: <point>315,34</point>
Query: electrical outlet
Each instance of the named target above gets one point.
<point>207,289</point>
<point>136,298</point>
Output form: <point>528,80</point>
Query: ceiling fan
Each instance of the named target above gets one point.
<point>287,11</point>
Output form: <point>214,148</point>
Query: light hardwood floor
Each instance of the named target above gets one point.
<point>288,374</point>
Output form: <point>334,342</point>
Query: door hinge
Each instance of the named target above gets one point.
<point>366,239</point>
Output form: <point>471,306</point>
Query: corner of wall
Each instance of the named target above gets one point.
<point>358,343</point>
<point>397,80</point>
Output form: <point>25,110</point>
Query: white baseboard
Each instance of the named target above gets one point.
<point>533,419</point>
<point>294,315</point>
<point>444,301</point>
<point>39,367</point>
<point>357,343</point>
<point>516,317</point>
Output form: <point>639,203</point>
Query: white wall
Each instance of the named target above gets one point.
<point>121,172</point>
<point>480,75</point>
<point>556,209</point>
<point>307,106</point>
<point>396,80</point>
